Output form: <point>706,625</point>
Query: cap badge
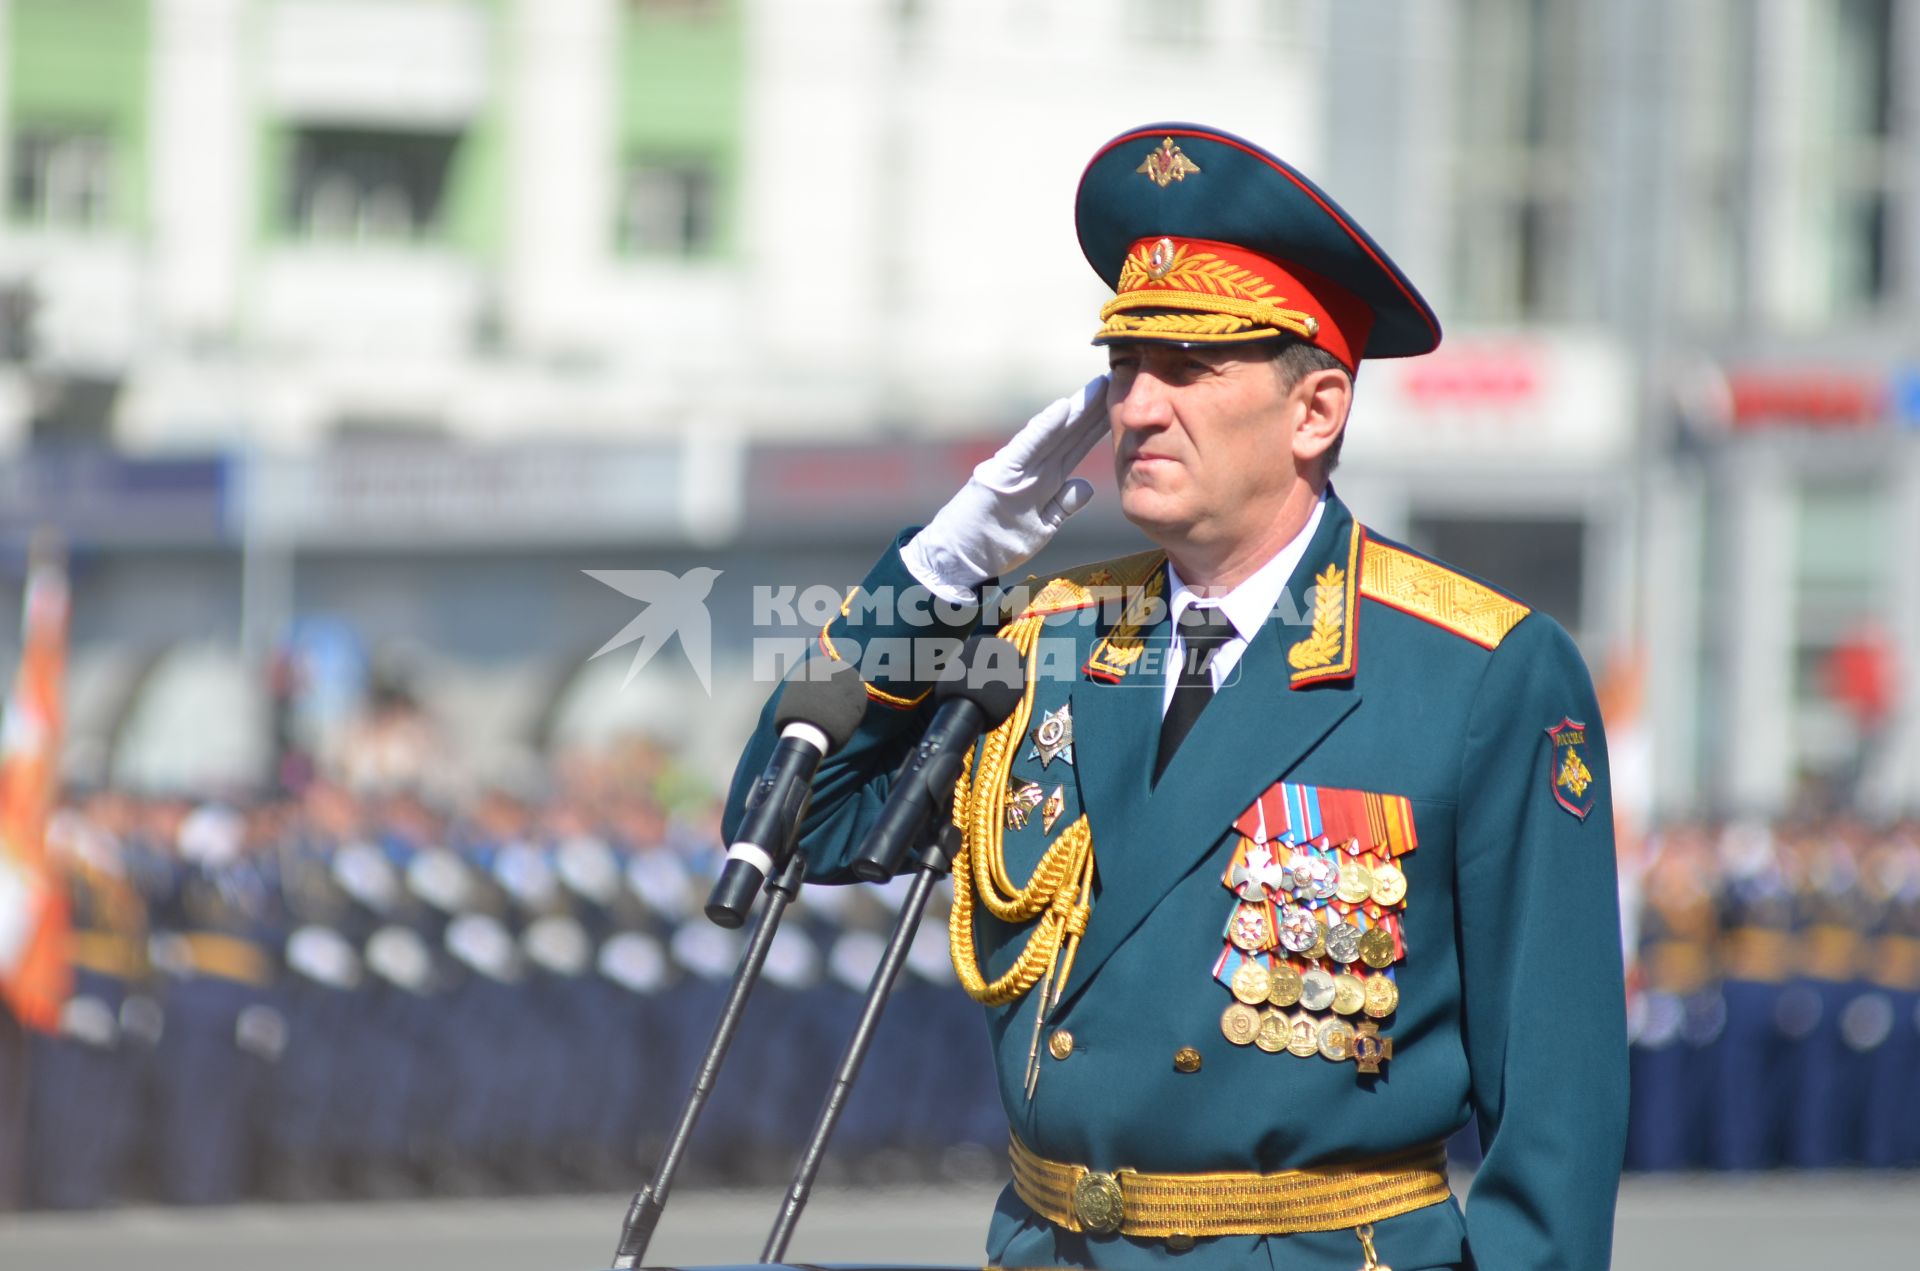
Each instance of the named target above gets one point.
<point>1161,259</point>
<point>1167,164</point>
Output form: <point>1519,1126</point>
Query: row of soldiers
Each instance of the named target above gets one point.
<point>1775,996</point>
<point>332,995</point>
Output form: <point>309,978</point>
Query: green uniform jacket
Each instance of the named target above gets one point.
<point>1400,677</point>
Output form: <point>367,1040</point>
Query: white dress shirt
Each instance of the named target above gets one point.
<point>1246,607</point>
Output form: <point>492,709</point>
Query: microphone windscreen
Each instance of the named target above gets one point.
<point>990,675</point>
<point>834,703</point>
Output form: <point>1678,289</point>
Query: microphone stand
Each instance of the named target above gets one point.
<point>643,1215</point>
<point>941,843</point>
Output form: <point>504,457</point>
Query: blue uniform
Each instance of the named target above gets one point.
<point>223,1030</point>
<point>1750,1098</point>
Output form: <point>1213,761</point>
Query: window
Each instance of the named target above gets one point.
<point>19,307</point>
<point>61,178</point>
<point>1514,221</point>
<point>1842,571</point>
<point>668,208</point>
<point>1851,159</point>
<point>361,186</point>
<point>1714,109</point>
<point>74,409</point>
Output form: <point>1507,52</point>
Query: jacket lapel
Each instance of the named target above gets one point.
<point>1253,733</point>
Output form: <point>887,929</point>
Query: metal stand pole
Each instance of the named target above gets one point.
<point>643,1215</point>
<point>936,858</point>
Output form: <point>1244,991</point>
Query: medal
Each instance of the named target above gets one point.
<point>1376,947</point>
<point>1315,873</point>
<point>1285,990</point>
<point>1239,1022</point>
<point>1053,736</point>
<point>1273,1034</point>
<point>1252,928</point>
<point>1022,798</point>
<point>1336,1040</point>
<point>1056,804</point>
<point>1303,1035</point>
<point>1370,1049</point>
<point>1356,882</point>
<point>1256,875</point>
<point>1383,995</point>
<point>1298,930</point>
<point>1252,983</point>
<point>1312,876</point>
<point>1316,990</point>
<point>1326,877</point>
<point>1389,886</point>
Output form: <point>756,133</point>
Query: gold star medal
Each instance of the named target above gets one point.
<point>1053,736</point>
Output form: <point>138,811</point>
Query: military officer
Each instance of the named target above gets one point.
<point>1297,853</point>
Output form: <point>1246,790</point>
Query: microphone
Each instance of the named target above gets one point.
<point>988,686</point>
<point>815,718</point>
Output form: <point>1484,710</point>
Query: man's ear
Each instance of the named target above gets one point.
<point>1322,399</point>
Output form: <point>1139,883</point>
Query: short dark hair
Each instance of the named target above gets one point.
<point>1295,360</point>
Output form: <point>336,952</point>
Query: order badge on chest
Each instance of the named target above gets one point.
<point>1314,932</point>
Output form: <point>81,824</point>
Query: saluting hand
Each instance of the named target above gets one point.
<point>1015,501</point>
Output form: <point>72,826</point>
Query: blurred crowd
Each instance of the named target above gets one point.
<point>352,994</point>
<point>1774,995</point>
<point>362,990</point>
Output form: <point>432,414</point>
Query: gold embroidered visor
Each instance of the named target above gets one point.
<point>1195,291</point>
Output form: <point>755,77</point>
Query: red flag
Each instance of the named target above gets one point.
<point>35,976</point>
<point>1860,675</point>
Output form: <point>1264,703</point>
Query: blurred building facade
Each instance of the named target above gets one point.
<point>405,311</point>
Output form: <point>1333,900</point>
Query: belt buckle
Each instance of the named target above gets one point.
<point>1097,1202</point>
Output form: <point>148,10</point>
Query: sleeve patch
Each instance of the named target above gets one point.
<point>1574,786</point>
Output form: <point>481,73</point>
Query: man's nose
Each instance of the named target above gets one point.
<point>1148,403</point>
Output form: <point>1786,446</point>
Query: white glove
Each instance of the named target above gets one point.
<point>1014,502</point>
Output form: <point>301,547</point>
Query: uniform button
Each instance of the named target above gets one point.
<point>1186,1059</point>
<point>1060,1045</point>
<point>1180,1242</point>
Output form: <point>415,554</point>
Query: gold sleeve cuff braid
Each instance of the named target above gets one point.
<point>1156,1206</point>
<point>1057,896</point>
<point>879,695</point>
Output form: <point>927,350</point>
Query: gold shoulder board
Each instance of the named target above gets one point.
<point>1427,589</point>
<point>1080,586</point>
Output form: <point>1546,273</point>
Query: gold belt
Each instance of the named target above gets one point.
<point>226,957</point>
<point>1318,1198</point>
<point>106,953</point>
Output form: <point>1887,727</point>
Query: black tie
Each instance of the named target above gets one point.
<point>1203,631</point>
